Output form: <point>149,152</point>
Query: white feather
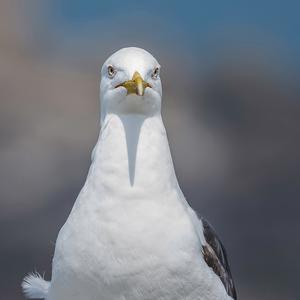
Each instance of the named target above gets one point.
<point>35,287</point>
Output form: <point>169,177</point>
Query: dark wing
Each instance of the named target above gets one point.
<point>216,258</point>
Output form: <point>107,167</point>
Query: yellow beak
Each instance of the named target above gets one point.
<point>136,85</point>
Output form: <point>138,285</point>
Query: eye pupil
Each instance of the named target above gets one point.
<point>111,71</point>
<point>155,73</point>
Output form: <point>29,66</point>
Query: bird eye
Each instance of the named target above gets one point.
<point>111,71</point>
<point>155,73</point>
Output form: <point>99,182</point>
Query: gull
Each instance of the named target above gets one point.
<point>131,235</point>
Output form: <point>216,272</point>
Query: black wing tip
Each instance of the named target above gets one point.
<point>216,258</point>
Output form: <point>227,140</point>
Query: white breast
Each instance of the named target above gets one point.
<point>131,242</point>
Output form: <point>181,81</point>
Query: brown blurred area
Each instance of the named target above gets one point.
<point>234,130</point>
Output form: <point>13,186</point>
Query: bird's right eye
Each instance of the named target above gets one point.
<point>111,71</point>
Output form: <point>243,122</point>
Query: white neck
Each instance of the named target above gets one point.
<point>132,158</point>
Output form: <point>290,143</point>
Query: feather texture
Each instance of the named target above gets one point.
<point>35,286</point>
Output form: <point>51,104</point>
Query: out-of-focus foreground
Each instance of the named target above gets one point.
<point>231,108</point>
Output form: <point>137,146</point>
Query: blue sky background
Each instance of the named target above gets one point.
<point>194,23</point>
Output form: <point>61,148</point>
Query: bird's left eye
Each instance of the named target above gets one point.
<point>111,71</point>
<point>155,73</point>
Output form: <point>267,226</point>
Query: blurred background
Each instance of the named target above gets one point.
<point>231,107</point>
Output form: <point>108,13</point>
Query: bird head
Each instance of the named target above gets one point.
<point>130,83</point>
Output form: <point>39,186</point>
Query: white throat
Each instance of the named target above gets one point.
<point>132,157</point>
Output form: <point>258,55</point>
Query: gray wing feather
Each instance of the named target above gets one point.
<point>216,258</point>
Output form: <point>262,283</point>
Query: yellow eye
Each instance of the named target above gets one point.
<point>155,73</point>
<point>111,71</point>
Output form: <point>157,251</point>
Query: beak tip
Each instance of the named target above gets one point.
<point>139,92</point>
<point>136,85</point>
